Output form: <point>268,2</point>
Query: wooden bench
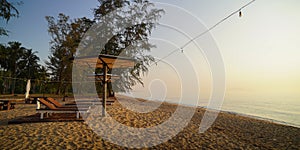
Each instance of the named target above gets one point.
<point>30,100</point>
<point>7,104</point>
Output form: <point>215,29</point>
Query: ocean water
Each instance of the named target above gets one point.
<point>284,111</point>
<point>281,110</point>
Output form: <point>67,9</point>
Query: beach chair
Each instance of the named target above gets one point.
<point>97,101</point>
<point>50,108</point>
<point>83,103</point>
<point>58,104</point>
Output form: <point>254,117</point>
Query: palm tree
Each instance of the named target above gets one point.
<point>15,52</point>
<point>18,62</point>
<point>29,64</point>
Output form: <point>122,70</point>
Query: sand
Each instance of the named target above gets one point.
<point>229,131</point>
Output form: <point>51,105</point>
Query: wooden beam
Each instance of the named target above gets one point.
<point>104,89</point>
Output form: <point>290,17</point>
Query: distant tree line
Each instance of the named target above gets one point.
<point>17,64</point>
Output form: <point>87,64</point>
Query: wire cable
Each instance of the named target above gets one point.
<point>203,33</point>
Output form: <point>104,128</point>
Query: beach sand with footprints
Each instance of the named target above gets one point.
<point>21,128</point>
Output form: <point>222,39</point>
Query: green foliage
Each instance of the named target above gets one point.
<point>65,38</point>
<point>7,11</point>
<point>108,6</point>
<point>17,62</point>
<point>131,23</point>
<point>123,27</point>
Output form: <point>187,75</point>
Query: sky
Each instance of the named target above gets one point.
<point>260,50</point>
<point>31,27</point>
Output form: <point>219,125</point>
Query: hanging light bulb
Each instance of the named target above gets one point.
<point>240,13</point>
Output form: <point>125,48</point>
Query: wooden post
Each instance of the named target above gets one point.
<point>104,89</point>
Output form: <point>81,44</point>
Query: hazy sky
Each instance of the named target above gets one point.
<point>260,50</point>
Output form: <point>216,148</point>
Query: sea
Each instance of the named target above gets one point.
<point>279,110</point>
<point>283,111</point>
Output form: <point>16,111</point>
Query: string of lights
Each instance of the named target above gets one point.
<point>238,11</point>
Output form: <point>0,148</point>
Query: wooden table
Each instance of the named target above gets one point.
<point>6,104</point>
<point>30,101</point>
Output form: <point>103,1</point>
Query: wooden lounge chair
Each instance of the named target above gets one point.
<point>92,102</point>
<point>59,105</point>
<point>54,102</point>
<point>50,108</point>
<point>83,103</point>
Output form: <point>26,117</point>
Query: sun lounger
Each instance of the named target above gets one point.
<point>50,108</point>
<point>54,102</point>
<point>88,102</point>
<point>82,103</point>
<point>59,105</point>
<point>97,101</point>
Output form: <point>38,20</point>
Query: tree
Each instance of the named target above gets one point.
<point>65,37</point>
<point>131,23</point>
<point>131,41</point>
<point>14,55</point>
<point>7,10</point>
<point>29,64</point>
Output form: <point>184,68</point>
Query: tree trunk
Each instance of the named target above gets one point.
<point>58,90</point>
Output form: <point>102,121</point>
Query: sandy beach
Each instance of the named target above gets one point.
<point>229,131</point>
